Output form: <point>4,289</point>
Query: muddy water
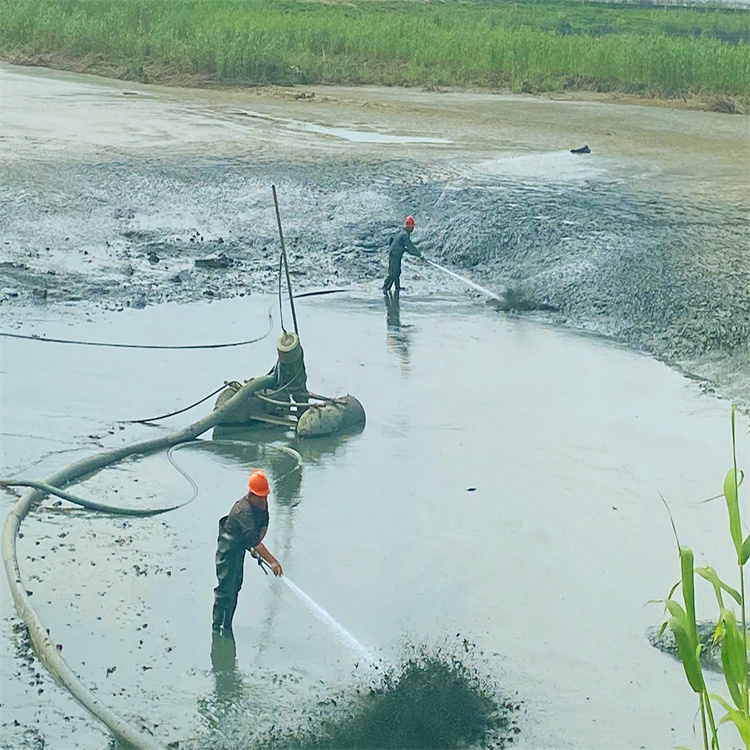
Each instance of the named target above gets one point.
<point>505,490</point>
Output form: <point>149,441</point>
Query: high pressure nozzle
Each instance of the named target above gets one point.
<point>262,564</point>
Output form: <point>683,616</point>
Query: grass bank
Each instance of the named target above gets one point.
<point>523,46</point>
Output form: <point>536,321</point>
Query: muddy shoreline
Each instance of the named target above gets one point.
<point>674,293</point>
<point>163,76</point>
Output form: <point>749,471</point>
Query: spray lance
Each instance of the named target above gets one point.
<point>262,564</point>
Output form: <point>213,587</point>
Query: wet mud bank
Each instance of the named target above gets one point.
<point>667,277</point>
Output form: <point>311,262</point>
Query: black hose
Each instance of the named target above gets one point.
<point>179,411</point>
<point>139,346</point>
<point>35,337</point>
<point>92,504</point>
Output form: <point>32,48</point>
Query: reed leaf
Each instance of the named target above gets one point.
<point>688,588</point>
<point>733,508</point>
<point>688,647</point>
<point>745,554</point>
<point>739,718</point>
<point>734,660</point>
<point>712,577</point>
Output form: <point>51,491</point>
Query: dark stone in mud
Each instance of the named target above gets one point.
<point>710,656</point>
<point>138,235</point>
<point>582,150</point>
<point>139,303</point>
<point>153,258</point>
<point>217,261</point>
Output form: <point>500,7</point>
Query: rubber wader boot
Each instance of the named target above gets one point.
<point>218,617</point>
<point>229,615</point>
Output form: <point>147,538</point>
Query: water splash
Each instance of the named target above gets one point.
<point>432,699</point>
<point>337,628</point>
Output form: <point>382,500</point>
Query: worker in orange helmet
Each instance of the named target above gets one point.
<point>400,244</point>
<point>243,529</point>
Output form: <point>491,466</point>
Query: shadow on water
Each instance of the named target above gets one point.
<point>228,683</point>
<point>280,451</point>
<point>434,698</point>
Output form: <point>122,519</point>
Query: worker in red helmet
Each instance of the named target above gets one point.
<point>243,529</point>
<point>400,244</point>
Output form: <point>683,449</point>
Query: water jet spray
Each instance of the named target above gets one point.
<point>488,292</point>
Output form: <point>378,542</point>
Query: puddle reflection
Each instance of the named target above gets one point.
<point>398,336</point>
<point>228,682</point>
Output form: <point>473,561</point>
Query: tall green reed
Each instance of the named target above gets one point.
<point>682,621</point>
<point>526,46</point>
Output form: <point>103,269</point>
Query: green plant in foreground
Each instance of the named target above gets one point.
<point>733,639</point>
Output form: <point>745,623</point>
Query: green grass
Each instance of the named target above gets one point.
<point>523,46</point>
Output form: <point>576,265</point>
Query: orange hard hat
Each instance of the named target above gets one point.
<point>258,483</point>
<point>409,221</point>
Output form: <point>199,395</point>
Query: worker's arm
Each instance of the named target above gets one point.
<point>411,248</point>
<point>274,564</point>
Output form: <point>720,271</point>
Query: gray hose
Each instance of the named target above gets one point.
<point>125,734</point>
<point>48,489</point>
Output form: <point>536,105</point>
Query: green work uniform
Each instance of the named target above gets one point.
<point>241,530</point>
<point>400,244</point>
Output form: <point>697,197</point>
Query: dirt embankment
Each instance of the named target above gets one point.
<point>168,75</point>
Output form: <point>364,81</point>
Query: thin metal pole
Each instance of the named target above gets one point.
<point>281,303</point>
<point>286,263</point>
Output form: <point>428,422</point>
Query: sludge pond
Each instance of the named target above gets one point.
<point>489,509</point>
<point>496,527</point>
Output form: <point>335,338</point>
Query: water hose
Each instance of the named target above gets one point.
<point>127,736</point>
<point>31,337</point>
<point>124,733</point>
<point>49,489</point>
<point>179,411</point>
<point>35,337</point>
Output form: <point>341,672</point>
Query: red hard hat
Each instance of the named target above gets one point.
<point>258,483</point>
<point>409,221</point>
